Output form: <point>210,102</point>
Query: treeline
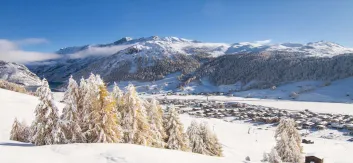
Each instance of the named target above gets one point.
<point>94,115</point>
<point>269,69</point>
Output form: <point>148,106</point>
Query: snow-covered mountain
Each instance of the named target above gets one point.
<point>313,49</point>
<point>18,73</point>
<point>153,58</point>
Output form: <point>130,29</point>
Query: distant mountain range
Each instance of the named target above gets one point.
<point>252,65</point>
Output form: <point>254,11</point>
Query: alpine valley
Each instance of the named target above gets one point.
<point>176,64</point>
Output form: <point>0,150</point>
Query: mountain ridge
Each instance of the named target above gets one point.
<point>153,58</point>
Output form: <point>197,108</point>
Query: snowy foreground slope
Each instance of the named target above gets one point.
<point>236,141</point>
<point>22,106</point>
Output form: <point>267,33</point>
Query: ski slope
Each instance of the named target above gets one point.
<point>234,137</point>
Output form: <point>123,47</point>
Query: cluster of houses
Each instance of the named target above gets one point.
<point>261,114</point>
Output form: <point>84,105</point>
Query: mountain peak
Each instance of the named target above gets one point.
<point>122,40</point>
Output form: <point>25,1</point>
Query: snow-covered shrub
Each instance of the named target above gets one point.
<point>20,132</point>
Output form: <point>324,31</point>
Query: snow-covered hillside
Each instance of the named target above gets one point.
<point>135,56</point>
<point>22,106</point>
<point>195,66</point>
<point>236,142</point>
<point>314,49</point>
<point>172,45</point>
<point>18,73</point>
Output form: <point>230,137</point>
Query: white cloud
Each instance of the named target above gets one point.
<point>31,41</point>
<point>11,52</point>
<point>264,42</point>
<point>99,51</point>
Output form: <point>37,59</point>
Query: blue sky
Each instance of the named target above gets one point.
<point>61,23</point>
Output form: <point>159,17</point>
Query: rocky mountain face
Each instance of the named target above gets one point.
<point>254,65</point>
<point>18,73</point>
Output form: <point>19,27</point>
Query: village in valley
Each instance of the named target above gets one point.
<point>236,111</point>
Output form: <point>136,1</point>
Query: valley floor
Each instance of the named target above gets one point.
<point>237,142</point>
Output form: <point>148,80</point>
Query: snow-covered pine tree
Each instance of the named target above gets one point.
<point>82,90</point>
<point>143,134</point>
<point>117,93</point>
<point>128,113</point>
<point>213,147</point>
<point>176,138</point>
<point>70,119</point>
<point>102,119</point>
<point>273,157</point>
<point>45,128</point>
<point>155,115</point>
<point>90,93</point>
<point>287,142</point>
<point>287,125</point>
<point>118,97</point>
<point>19,132</point>
<point>195,139</point>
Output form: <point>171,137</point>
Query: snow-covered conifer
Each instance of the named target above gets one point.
<point>155,115</point>
<point>102,120</point>
<point>81,99</point>
<point>45,128</point>
<point>176,138</point>
<point>128,113</point>
<point>70,119</point>
<point>117,93</point>
<point>213,147</point>
<point>287,126</point>
<point>89,100</point>
<point>143,134</point>
<point>19,132</point>
<point>287,146</point>
<point>118,97</point>
<point>195,139</point>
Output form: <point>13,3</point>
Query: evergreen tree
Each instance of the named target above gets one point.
<point>90,96</point>
<point>81,101</point>
<point>195,139</point>
<point>143,134</point>
<point>131,103</point>
<point>19,132</point>
<point>118,97</point>
<point>176,138</point>
<point>287,146</point>
<point>287,125</point>
<point>70,119</point>
<point>117,93</point>
<point>155,114</point>
<point>102,120</point>
<point>45,128</point>
<point>213,147</point>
